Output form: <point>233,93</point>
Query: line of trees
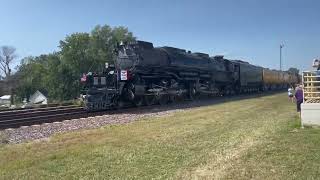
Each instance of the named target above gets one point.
<point>57,74</point>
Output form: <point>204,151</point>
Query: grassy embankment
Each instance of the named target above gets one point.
<point>254,138</point>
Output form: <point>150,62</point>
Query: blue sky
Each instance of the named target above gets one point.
<point>251,30</point>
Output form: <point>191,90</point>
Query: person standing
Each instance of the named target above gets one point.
<point>290,93</point>
<point>299,98</point>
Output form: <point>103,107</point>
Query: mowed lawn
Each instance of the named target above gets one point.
<point>257,138</point>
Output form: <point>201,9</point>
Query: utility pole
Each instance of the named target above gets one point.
<point>281,46</point>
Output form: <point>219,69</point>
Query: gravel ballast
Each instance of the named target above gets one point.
<point>27,133</point>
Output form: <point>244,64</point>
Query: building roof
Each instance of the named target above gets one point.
<point>5,97</point>
<point>37,98</point>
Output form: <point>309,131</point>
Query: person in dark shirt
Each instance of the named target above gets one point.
<point>299,98</point>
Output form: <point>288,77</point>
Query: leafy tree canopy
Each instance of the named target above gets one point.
<point>293,70</point>
<point>58,73</point>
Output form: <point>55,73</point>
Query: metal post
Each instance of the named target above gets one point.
<point>281,46</point>
<point>302,79</point>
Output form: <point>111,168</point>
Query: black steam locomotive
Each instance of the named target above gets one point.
<point>146,75</point>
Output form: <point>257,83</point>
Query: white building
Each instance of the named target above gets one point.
<point>5,100</point>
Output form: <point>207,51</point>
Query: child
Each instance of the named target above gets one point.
<point>290,93</point>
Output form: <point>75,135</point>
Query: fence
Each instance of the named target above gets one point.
<point>311,86</point>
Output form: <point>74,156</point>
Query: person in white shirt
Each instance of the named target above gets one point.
<point>290,93</point>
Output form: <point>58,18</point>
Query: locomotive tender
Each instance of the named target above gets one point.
<point>146,75</point>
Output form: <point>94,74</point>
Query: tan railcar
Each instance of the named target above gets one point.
<point>270,78</point>
<point>273,79</point>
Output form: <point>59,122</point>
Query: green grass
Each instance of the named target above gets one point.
<point>254,138</point>
<point>3,139</point>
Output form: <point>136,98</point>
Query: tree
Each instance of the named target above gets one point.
<point>74,51</point>
<point>104,40</point>
<point>31,76</point>
<point>59,73</point>
<point>7,56</point>
<point>85,52</point>
<point>293,70</point>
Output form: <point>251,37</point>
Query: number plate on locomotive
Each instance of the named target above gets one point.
<point>123,75</point>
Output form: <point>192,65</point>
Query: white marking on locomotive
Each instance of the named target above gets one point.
<point>124,75</point>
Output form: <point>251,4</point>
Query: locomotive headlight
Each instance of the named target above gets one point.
<point>106,65</point>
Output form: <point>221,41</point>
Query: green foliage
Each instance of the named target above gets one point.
<point>293,70</point>
<point>58,73</point>
<point>3,138</point>
<point>31,74</point>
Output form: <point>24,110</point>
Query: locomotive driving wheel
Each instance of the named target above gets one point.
<point>192,93</point>
<point>172,99</point>
<point>120,104</point>
<point>138,101</point>
<point>149,99</point>
<point>163,99</point>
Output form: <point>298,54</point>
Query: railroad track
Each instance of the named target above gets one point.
<point>25,117</point>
